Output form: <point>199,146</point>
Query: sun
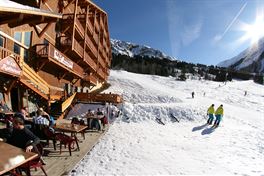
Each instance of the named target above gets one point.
<point>254,31</point>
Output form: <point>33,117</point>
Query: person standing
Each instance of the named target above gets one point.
<point>192,94</point>
<point>219,115</point>
<point>210,113</point>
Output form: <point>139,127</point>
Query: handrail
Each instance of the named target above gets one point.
<point>35,78</point>
<point>93,97</point>
<point>14,40</point>
<point>67,102</point>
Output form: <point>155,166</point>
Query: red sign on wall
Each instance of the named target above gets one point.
<point>8,65</point>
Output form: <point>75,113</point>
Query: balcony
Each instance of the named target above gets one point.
<point>91,46</point>
<point>101,61</point>
<point>78,48</point>
<point>101,73</point>
<point>91,79</point>
<point>96,24</point>
<point>68,22</point>
<point>90,61</point>
<point>79,27</point>
<point>101,22</point>
<point>53,55</point>
<point>90,26</point>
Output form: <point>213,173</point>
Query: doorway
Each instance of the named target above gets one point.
<point>15,99</point>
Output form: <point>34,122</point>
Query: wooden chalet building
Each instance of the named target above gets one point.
<point>51,49</point>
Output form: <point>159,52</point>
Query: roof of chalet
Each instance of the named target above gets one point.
<point>15,14</point>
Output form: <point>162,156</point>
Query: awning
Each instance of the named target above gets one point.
<point>9,66</point>
<point>15,14</point>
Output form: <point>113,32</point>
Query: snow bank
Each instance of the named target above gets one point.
<point>141,146</point>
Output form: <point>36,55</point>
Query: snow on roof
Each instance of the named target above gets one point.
<point>10,6</point>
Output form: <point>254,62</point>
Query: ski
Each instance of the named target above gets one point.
<point>160,121</point>
<point>174,118</point>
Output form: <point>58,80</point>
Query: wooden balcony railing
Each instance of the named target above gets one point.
<point>101,22</point>
<point>89,26</point>
<point>79,27</point>
<point>96,38</point>
<point>67,21</point>
<point>5,52</point>
<point>78,48</point>
<point>96,25</point>
<point>101,73</point>
<point>101,61</point>
<point>91,97</point>
<point>91,46</point>
<point>90,61</point>
<point>52,53</point>
<point>91,79</point>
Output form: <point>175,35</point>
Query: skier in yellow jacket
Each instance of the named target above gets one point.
<point>210,113</point>
<point>218,114</point>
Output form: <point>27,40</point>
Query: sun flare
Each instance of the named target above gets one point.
<point>254,31</point>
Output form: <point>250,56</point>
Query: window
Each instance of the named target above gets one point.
<point>18,37</point>
<point>24,38</point>
<point>27,42</point>
<point>2,41</point>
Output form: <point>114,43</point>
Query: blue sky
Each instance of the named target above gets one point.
<point>198,31</point>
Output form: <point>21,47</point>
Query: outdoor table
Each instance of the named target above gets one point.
<point>71,128</point>
<point>11,157</point>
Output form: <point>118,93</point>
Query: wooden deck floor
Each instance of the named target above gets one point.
<point>61,164</point>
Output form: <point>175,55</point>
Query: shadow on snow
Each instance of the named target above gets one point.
<point>199,127</point>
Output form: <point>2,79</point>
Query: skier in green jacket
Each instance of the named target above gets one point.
<point>210,113</point>
<point>219,115</point>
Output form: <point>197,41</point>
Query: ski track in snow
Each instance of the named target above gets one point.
<point>144,147</point>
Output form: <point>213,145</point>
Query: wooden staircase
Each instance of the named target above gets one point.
<point>60,109</point>
<point>33,81</point>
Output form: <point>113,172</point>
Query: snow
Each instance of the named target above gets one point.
<point>17,6</point>
<point>247,57</point>
<point>131,49</point>
<point>11,4</point>
<point>136,144</point>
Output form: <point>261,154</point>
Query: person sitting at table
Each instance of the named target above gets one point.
<point>22,137</point>
<point>45,114</point>
<point>41,119</point>
<point>25,113</point>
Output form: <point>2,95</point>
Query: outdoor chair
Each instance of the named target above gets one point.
<point>76,121</point>
<point>50,135</point>
<point>66,141</point>
<point>36,163</point>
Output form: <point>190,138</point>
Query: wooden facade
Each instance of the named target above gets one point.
<point>61,47</point>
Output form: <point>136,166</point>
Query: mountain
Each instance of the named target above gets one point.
<point>131,49</point>
<point>251,59</point>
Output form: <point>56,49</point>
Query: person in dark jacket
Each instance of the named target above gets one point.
<point>22,137</point>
